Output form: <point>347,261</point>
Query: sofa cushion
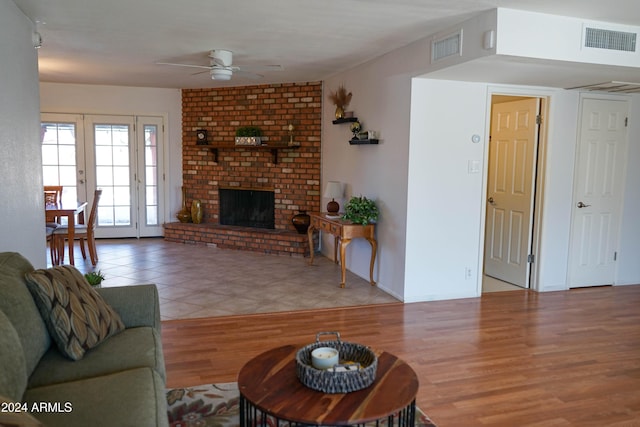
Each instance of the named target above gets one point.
<point>77,317</point>
<point>17,304</point>
<point>131,348</point>
<point>13,368</point>
<point>12,418</point>
<point>130,398</point>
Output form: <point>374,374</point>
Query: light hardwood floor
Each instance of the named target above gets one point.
<point>506,359</point>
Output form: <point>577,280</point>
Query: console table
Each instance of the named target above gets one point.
<point>343,232</point>
<point>269,387</point>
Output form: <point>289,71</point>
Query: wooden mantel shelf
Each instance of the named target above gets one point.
<point>273,148</point>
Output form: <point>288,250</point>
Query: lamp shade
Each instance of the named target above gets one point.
<point>333,191</point>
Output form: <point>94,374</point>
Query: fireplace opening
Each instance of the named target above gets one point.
<point>247,208</point>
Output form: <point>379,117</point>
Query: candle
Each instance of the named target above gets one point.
<point>324,357</point>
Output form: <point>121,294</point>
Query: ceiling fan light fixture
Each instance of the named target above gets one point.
<point>221,74</point>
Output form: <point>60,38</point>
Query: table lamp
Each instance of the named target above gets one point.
<point>333,191</point>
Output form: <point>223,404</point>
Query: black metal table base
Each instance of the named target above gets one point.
<point>250,416</point>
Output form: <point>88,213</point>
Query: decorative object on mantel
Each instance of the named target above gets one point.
<point>184,214</point>
<point>340,99</point>
<point>361,210</point>
<point>301,222</point>
<point>249,135</point>
<point>196,211</point>
<point>291,143</point>
<point>201,137</point>
<point>333,191</point>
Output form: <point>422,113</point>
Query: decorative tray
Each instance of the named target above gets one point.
<point>356,368</point>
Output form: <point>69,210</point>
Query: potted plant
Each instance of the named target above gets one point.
<point>249,135</point>
<point>361,210</point>
<point>94,278</point>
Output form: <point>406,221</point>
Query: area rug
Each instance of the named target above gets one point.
<point>218,405</point>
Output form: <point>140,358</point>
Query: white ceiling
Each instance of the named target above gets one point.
<point>119,42</point>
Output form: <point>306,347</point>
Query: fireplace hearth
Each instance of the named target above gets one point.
<point>247,208</point>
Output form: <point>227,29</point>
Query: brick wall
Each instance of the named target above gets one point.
<point>295,179</point>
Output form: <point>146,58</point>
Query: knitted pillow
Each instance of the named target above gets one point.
<point>77,317</point>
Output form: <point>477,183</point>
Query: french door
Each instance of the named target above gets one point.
<point>122,155</point>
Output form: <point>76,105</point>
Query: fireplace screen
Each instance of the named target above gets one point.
<point>247,208</point>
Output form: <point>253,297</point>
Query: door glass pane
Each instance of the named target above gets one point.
<point>59,158</point>
<point>112,174</point>
<point>151,174</point>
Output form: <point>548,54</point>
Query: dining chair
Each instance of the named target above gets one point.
<point>82,232</point>
<point>52,196</point>
<point>52,247</point>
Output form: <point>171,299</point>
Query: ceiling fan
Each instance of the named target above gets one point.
<point>221,66</point>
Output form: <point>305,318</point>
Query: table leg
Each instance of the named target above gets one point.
<point>71,235</point>
<point>335,249</point>
<point>343,264</point>
<point>311,248</point>
<point>374,250</point>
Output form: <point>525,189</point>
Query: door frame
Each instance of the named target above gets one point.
<point>546,99</point>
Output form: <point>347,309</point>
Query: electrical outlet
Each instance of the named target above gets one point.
<point>467,273</point>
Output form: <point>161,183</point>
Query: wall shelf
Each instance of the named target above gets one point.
<point>362,141</point>
<point>273,148</point>
<point>345,120</point>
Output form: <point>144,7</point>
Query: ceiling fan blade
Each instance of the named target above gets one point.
<point>248,75</point>
<point>261,68</point>
<point>208,67</point>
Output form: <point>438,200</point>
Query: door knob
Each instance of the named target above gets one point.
<point>582,205</point>
<point>490,200</point>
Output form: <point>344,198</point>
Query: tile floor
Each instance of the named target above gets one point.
<point>204,281</point>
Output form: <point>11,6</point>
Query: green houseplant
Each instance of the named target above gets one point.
<point>248,135</point>
<point>94,278</point>
<point>361,210</point>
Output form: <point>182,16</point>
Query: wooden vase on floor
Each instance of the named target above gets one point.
<point>196,211</point>
<point>184,214</point>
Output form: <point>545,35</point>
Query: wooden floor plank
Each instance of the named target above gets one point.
<point>506,359</point>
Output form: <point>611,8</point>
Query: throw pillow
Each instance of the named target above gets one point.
<point>77,317</point>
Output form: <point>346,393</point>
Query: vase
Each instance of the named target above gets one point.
<point>339,112</point>
<point>301,222</point>
<point>184,214</point>
<point>196,211</point>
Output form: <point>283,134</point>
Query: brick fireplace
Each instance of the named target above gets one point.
<point>292,174</point>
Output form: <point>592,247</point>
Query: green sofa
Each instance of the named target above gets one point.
<point>119,383</point>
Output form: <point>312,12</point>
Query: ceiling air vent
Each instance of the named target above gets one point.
<point>608,39</point>
<point>447,46</point>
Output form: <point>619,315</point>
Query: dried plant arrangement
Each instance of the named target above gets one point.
<point>340,99</point>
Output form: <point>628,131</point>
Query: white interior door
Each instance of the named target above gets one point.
<point>598,189</point>
<point>512,159</point>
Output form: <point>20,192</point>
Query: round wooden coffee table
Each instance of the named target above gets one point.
<point>269,388</point>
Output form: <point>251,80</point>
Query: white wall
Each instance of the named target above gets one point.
<point>445,201</point>
<point>92,99</point>
<point>539,35</point>
<point>381,93</point>
<point>22,207</point>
